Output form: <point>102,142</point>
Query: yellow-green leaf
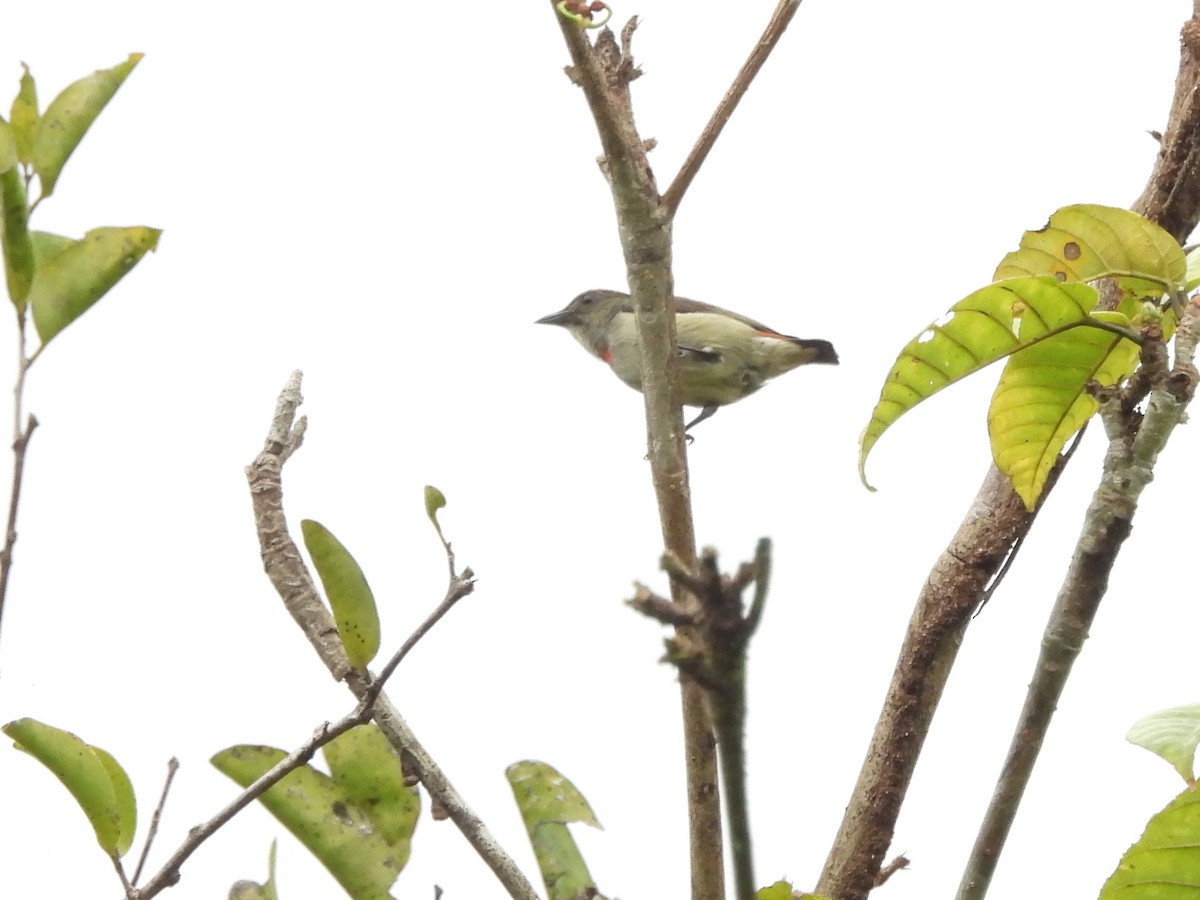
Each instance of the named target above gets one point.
<point>548,802</point>
<point>983,327</point>
<point>252,890</point>
<point>69,116</point>
<point>1041,401</point>
<point>364,765</point>
<point>1172,734</point>
<point>8,147</point>
<point>1165,862</point>
<point>1085,242</point>
<point>349,595</point>
<point>98,784</point>
<point>434,500</point>
<point>322,817</point>
<point>1193,270</point>
<point>24,116</point>
<point>66,284</point>
<point>15,241</point>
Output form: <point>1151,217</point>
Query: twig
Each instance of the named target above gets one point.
<point>780,20</point>
<point>292,581</point>
<point>460,586</point>
<point>172,768</point>
<point>169,874</point>
<point>20,445</point>
<point>995,520</point>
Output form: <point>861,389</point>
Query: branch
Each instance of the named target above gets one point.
<point>19,445</point>
<point>780,19</point>
<point>995,520</point>
<point>294,584</point>
<point>604,73</point>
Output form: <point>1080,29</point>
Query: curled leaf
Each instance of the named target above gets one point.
<point>98,784</point>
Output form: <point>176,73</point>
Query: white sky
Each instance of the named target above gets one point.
<point>386,196</point>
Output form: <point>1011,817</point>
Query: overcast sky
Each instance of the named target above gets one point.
<point>386,196</point>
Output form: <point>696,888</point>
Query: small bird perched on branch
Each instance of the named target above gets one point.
<point>723,356</point>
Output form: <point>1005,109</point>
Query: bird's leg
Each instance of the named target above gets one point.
<point>705,413</point>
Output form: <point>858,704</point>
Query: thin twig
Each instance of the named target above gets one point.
<point>460,586</point>
<point>169,874</point>
<point>20,445</point>
<point>720,118</point>
<point>172,768</point>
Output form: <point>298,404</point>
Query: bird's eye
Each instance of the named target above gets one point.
<point>586,299</point>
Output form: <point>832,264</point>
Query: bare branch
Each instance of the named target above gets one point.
<point>172,768</point>
<point>780,20</point>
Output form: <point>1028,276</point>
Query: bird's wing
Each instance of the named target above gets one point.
<point>683,306</point>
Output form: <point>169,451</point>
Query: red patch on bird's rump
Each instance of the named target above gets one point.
<point>606,355</point>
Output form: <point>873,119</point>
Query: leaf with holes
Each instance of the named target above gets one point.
<point>985,326</point>
<point>1165,862</point>
<point>1041,400</point>
<point>1085,242</point>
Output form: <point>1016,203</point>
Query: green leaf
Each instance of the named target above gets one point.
<point>1172,734</point>
<point>98,784</point>
<point>66,284</point>
<point>349,595</point>
<point>548,802</point>
<point>250,890</point>
<point>1165,862</point>
<point>434,500</point>
<point>69,116</point>
<point>1086,242</point>
<point>1041,400</point>
<point>985,326</point>
<point>24,116</point>
<point>1193,270</point>
<point>15,241</point>
<point>8,147</point>
<point>363,764</point>
<point>322,816</point>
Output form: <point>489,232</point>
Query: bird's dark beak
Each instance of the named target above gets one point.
<point>562,317</point>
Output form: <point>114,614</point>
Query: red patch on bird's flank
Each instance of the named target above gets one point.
<point>606,355</point>
<point>770,334</point>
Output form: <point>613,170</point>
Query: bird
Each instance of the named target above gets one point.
<point>723,356</point>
